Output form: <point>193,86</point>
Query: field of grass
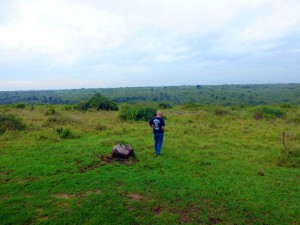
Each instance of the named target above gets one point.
<point>219,166</point>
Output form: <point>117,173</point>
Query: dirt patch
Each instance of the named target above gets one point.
<point>214,220</point>
<point>43,218</point>
<point>18,180</point>
<point>64,196</point>
<point>136,197</point>
<point>188,215</point>
<point>110,160</point>
<point>185,217</point>
<point>96,191</point>
<point>157,210</point>
<point>107,159</point>
<point>81,195</point>
<point>133,196</point>
<point>88,168</point>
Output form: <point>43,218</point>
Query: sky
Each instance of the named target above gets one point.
<point>70,44</point>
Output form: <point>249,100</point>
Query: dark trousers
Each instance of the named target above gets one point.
<point>158,142</point>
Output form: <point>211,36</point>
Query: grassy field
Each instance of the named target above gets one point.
<point>219,166</point>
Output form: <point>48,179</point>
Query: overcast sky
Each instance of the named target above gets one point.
<point>63,44</point>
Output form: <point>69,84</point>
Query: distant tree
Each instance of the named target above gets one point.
<point>98,102</point>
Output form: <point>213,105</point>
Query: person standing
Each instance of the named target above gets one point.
<point>158,125</point>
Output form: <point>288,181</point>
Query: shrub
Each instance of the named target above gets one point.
<point>66,133</point>
<point>50,111</point>
<point>10,122</point>
<point>97,102</point>
<point>190,105</point>
<point>131,112</point>
<point>268,112</point>
<point>296,119</point>
<point>290,153</point>
<point>20,106</point>
<point>221,111</point>
<point>164,105</point>
<point>68,107</point>
<point>59,120</point>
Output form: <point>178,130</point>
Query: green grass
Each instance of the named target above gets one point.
<point>216,168</point>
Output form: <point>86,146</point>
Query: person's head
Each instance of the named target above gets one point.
<point>158,114</point>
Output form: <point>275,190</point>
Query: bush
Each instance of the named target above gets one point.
<point>59,120</point>
<point>66,133</point>
<point>164,105</point>
<point>50,111</point>
<point>10,122</point>
<point>221,111</point>
<point>268,112</point>
<point>97,102</point>
<point>190,105</point>
<point>289,157</point>
<point>130,112</point>
<point>20,106</point>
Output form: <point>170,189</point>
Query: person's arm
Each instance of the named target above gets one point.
<point>163,128</point>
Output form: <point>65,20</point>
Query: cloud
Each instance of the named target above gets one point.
<point>107,39</point>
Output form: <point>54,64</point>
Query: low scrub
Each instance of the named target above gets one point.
<point>50,111</point>
<point>268,112</point>
<point>20,106</point>
<point>134,112</point>
<point>10,122</point>
<point>221,111</point>
<point>289,157</point>
<point>66,133</point>
<point>58,119</point>
<point>290,153</point>
<point>190,105</point>
<point>164,105</point>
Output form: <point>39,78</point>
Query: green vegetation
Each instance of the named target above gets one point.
<point>256,94</point>
<point>268,112</point>
<point>10,122</point>
<point>136,112</point>
<point>97,102</point>
<point>220,165</point>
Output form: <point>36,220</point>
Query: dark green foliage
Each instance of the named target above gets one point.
<point>190,105</point>
<point>10,122</point>
<point>221,111</point>
<point>164,105</point>
<point>134,112</point>
<point>268,112</point>
<point>98,102</point>
<point>286,106</point>
<point>20,106</point>
<point>50,111</point>
<point>66,133</point>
